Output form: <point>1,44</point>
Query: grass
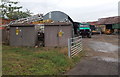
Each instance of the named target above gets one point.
<point>36,61</point>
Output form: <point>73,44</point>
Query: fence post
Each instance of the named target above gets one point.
<point>69,45</point>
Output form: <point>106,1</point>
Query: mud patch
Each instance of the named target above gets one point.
<point>103,46</point>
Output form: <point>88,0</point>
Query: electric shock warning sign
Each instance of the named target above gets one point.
<point>17,31</point>
<point>60,34</point>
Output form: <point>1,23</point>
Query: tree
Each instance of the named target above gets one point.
<point>10,10</point>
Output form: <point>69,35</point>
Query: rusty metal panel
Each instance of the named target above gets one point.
<point>51,35</point>
<point>109,20</point>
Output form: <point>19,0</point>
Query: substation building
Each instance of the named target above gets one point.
<point>54,33</point>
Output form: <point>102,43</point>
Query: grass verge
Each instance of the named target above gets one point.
<point>36,61</point>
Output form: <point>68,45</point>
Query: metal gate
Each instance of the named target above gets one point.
<point>74,46</point>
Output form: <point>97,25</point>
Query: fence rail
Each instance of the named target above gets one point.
<point>74,46</point>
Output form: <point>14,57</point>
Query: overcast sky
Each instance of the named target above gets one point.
<point>78,10</point>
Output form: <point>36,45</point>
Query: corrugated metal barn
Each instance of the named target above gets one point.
<point>57,16</point>
<point>111,23</point>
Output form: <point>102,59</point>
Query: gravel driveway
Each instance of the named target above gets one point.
<point>101,56</point>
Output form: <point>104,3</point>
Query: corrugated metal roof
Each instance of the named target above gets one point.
<point>109,20</point>
<point>93,23</point>
<point>57,16</point>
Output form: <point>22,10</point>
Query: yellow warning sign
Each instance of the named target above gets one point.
<point>17,31</point>
<point>60,34</point>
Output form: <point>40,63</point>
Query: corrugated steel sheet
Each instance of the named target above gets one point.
<point>57,16</point>
<point>109,20</point>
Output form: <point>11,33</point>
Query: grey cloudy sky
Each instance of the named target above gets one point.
<point>78,10</point>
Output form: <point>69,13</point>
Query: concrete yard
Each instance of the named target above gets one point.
<point>101,56</point>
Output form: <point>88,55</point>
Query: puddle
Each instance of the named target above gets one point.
<point>103,46</point>
<point>107,59</point>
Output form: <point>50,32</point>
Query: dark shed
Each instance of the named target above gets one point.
<point>23,34</point>
<point>57,34</point>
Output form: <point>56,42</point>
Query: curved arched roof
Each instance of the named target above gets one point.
<point>57,16</point>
